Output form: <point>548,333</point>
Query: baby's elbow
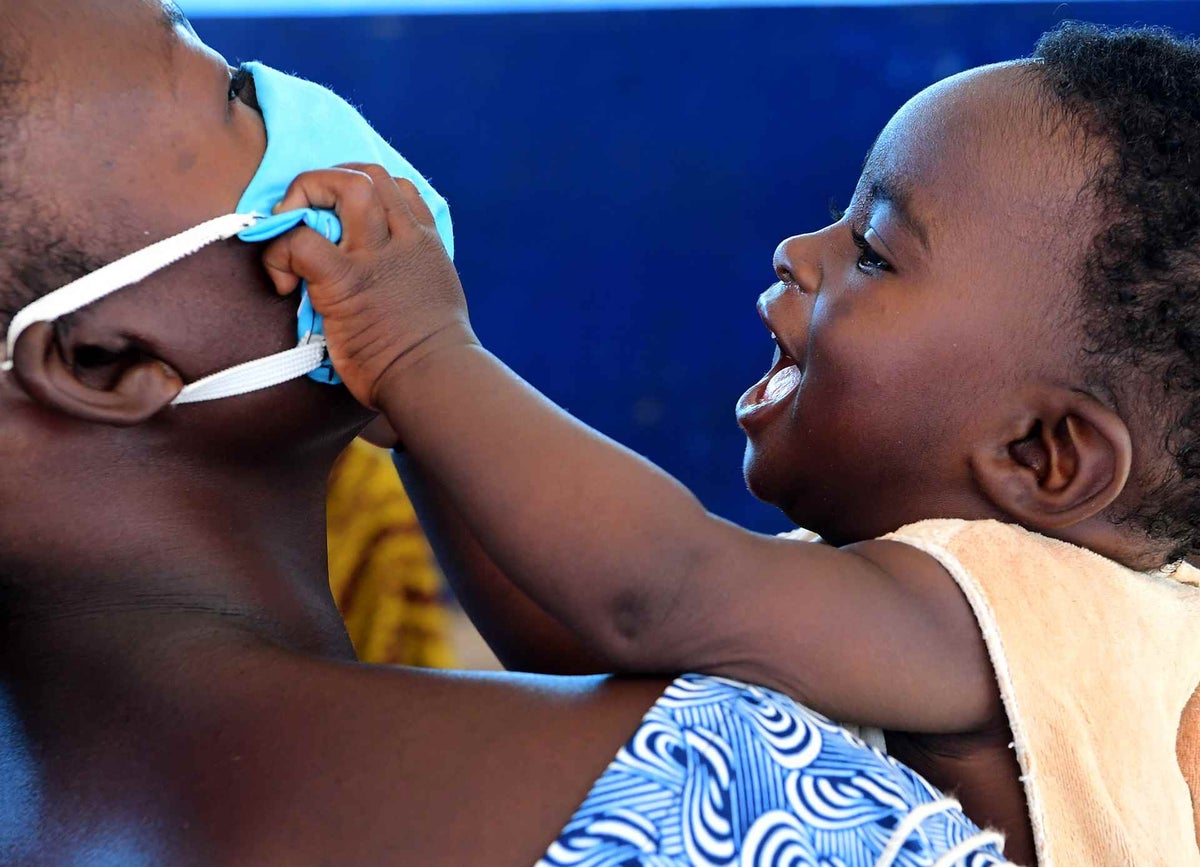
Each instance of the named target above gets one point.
<point>639,612</point>
<point>627,640</point>
<point>643,627</point>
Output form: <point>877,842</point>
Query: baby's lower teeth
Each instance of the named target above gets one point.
<point>782,382</point>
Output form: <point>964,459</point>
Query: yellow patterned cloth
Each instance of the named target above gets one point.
<point>382,573</point>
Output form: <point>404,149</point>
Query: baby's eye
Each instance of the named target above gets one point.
<point>868,259</point>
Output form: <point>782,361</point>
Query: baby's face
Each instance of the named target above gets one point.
<point>910,326</point>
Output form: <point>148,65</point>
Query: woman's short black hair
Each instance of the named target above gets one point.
<point>37,253</point>
<point>1137,91</point>
<point>11,88</point>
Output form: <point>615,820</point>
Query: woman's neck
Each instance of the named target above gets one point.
<point>234,548</point>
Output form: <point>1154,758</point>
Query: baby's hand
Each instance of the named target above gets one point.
<point>387,290</point>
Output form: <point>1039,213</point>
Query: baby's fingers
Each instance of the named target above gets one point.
<point>351,195</point>
<point>401,201</point>
<point>303,254</point>
<point>416,205</point>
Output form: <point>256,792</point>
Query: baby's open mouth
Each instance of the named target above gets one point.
<point>782,381</point>
<point>776,385</point>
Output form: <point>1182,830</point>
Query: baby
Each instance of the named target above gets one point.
<point>1001,329</point>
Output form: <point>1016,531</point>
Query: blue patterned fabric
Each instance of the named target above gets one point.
<point>724,773</point>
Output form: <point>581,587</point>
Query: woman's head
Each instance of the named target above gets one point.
<point>957,351</point>
<point>127,132</point>
<point>123,130</point>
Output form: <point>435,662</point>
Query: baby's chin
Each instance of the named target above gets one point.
<point>763,484</point>
<point>803,506</point>
<point>752,473</point>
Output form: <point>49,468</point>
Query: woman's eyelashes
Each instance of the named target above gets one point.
<point>237,80</point>
<point>241,86</point>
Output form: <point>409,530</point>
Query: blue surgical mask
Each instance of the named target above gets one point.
<point>308,127</point>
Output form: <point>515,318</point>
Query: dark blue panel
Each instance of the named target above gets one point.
<point>619,180</point>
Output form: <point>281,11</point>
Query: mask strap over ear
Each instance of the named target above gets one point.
<point>258,373</point>
<point>137,266</point>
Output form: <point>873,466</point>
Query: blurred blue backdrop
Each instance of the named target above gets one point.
<point>619,179</point>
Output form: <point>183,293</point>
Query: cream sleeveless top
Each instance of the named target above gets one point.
<point>1098,668</point>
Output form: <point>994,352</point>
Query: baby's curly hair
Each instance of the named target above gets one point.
<point>1137,91</point>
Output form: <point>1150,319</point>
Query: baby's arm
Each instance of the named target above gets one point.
<point>616,549</point>
<point>627,558</point>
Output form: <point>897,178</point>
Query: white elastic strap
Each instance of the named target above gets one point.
<point>121,273</point>
<point>259,373</point>
<point>910,823</point>
<point>972,844</point>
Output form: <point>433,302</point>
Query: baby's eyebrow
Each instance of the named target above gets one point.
<point>894,191</point>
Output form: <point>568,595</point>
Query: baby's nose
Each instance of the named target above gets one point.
<point>796,263</point>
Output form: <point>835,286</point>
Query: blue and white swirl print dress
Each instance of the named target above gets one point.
<point>724,773</point>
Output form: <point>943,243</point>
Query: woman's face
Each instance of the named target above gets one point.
<point>908,327</point>
<point>133,134</point>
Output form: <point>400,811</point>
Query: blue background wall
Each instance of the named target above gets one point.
<point>619,180</point>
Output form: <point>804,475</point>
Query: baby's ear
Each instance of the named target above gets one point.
<point>1059,459</point>
<point>95,375</point>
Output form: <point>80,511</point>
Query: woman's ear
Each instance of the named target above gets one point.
<point>1065,458</point>
<point>97,377</point>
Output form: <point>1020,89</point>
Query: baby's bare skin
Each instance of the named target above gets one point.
<point>980,769</point>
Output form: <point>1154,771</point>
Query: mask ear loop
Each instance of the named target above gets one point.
<point>137,266</point>
<point>257,374</point>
